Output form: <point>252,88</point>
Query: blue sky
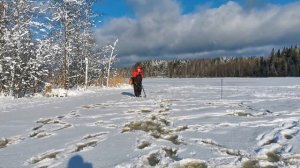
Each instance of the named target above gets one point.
<point>120,8</point>
<point>178,29</point>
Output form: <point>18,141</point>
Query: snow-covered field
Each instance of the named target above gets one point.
<point>181,123</point>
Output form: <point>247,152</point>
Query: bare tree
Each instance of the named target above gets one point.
<point>109,58</point>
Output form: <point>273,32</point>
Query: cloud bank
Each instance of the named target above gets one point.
<point>160,30</point>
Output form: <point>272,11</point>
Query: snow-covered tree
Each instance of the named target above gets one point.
<point>72,21</point>
<point>47,41</point>
<point>2,13</point>
<point>23,53</point>
<point>17,50</point>
<point>87,39</point>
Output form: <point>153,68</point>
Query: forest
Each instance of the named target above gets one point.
<point>51,43</point>
<point>281,63</point>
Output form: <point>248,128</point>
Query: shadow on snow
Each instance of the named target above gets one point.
<point>77,162</point>
<point>127,94</point>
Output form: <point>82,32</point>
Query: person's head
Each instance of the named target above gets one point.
<point>139,69</point>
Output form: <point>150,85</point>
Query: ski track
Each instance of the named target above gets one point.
<point>168,129</point>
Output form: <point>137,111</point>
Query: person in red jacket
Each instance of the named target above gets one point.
<point>137,78</point>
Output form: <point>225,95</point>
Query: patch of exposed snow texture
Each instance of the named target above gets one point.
<point>181,123</point>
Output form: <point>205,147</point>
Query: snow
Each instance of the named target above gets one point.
<point>181,123</point>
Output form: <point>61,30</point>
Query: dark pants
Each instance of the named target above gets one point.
<point>137,89</point>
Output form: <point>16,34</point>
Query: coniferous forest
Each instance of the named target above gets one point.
<point>280,63</point>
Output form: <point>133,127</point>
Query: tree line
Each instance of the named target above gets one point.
<point>50,42</point>
<point>280,63</point>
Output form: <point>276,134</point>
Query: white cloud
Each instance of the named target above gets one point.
<point>160,30</point>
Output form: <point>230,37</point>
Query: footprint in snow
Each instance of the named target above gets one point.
<point>276,142</point>
<point>5,142</point>
<point>47,126</point>
<point>51,157</point>
<point>222,149</point>
<point>44,159</point>
<point>88,142</point>
<point>98,105</point>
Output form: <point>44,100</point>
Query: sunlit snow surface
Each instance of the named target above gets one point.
<point>181,122</point>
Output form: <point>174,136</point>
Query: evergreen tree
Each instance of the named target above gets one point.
<point>285,62</point>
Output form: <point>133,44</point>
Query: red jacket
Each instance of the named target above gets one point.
<point>137,71</point>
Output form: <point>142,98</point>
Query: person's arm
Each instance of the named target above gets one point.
<point>133,77</point>
<point>134,74</point>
